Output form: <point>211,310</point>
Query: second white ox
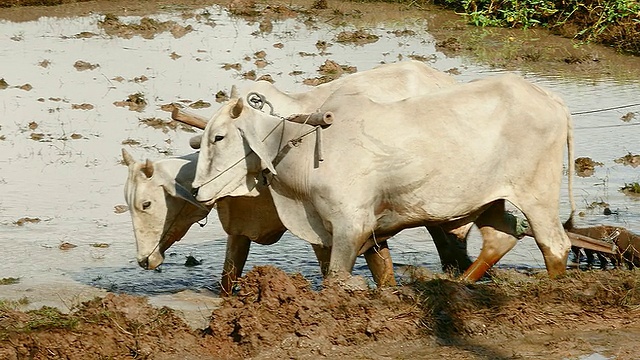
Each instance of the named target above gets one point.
<point>446,159</point>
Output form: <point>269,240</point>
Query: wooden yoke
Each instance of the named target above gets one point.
<point>314,119</point>
<point>189,119</point>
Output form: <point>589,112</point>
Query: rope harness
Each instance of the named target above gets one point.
<point>258,101</point>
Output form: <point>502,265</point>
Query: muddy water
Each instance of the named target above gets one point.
<point>60,162</point>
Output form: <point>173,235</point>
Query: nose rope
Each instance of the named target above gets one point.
<point>243,158</point>
<point>257,101</point>
<point>163,235</point>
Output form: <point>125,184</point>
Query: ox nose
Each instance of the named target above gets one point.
<point>144,263</point>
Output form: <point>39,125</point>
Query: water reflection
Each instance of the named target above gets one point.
<point>72,183</point>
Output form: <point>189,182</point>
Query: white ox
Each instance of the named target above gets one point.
<point>162,208</point>
<point>446,159</point>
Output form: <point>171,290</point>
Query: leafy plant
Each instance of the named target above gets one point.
<point>610,22</point>
<point>631,188</point>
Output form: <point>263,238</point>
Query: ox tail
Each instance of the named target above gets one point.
<point>571,164</point>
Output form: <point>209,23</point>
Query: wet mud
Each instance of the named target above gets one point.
<point>276,315</point>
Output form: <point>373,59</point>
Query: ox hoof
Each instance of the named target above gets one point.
<point>348,283</point>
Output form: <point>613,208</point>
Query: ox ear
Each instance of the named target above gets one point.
<point>178,191</point>
<point>266,156</point>
<point>127,158</point>
<point>236,110</point>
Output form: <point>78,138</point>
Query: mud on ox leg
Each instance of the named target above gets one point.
<point>378,260</point>
<point>499,232</point>
<point>498,238</point>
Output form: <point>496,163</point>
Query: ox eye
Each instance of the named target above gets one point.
<point>146,205</point>
<point>218,138</point>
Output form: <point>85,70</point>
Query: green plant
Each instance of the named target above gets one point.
<point>9,281</point>
<point>610,22</point>
<point>50,318</point>
<point>509,13</point>
<point>631,188</point>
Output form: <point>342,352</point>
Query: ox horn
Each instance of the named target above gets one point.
<point>147,169</point>
<point>128,159</point>
<point>234,92</point>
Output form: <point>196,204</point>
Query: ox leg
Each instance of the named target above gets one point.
<point>380,264</point>
<point>235,258</point>
<point>347,242</point>
<point>550,237</point>
<point>452,247</point>
<point>497,235</point>
<point>323,254</point>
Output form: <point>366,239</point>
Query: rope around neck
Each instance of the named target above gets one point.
<point>257,101</point>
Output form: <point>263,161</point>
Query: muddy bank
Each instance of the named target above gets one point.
<point>276,315</point>
<point>536,49</point>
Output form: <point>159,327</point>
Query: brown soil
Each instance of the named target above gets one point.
<point>278,316</point>
<point>585,166</point>
<point>629,160</point>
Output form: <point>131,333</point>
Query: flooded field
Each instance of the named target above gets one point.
<point>72,98</point>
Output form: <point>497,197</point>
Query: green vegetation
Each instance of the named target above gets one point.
<point>9,281</point>
<point>50,318</point>
<point>632,188</point>
<point>610,22</point>
<point>6,305</point>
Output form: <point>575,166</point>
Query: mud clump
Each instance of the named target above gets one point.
<point>27,220</point>
<point>135,102</point>
<point>272,308</point>
<point>244,8</point>
<point>629,160</point>
<point>83,106</point>
<point>449,46</point>
<point>221,96</point>
<point>200,104</point>
<point>102,328</point>
<point>67,246</point>
<point>628,117</point>
<point>631,189</point>
<point>585,166</point>
<point>330,71</point>
<point>333,68</point>
<point>147,28</point>
<point>81,65</point>
<point>165,126</point>
<point>358,37</point>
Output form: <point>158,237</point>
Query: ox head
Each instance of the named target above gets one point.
<point>234,151</point>
<point>161,205</point>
